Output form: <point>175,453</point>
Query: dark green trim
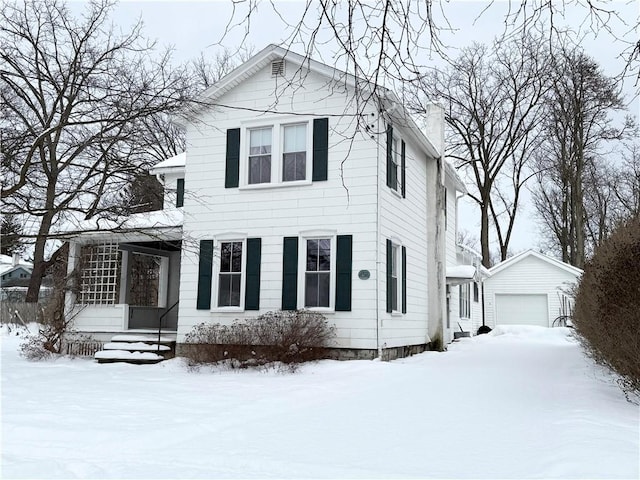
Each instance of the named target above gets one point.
<point>343,272</point>
<point>404,279</point>
<point>320,149</point>
<point>290,273</point>
<point>232,165</point>
<point>390,168</point>
<point>180,193</point>
<point>389,268</point>
<point>203,301</point>
<point>403,167</point>
<point>252,285</point>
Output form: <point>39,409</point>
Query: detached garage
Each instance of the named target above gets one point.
<point>529,289</point>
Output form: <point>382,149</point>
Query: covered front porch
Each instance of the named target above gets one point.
<point>125,281</point>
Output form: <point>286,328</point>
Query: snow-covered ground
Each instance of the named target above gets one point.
<point>518,403</point>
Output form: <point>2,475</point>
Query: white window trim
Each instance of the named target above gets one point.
<point>277,148</point>
<point>466,299</point>
<point>396,242</point>
<point>302,268</point>
<point>215,278</point>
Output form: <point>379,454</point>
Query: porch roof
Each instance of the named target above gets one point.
<point>161,224</point>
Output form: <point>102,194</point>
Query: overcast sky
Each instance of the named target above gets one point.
<point>198,27</point>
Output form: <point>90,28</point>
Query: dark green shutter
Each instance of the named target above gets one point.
<point>403,167</point>
<point>204,275</point>
<point>232,166</point>
<point>390,169</point>
<point>343,272</point>
<point>320,149</point>
<point>252,287</point>
<point>404,279</point>
<point>180,193</point>
<point>290,273</point>
<point>389,268</point>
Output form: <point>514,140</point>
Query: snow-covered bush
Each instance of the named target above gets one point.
<point>607,311</point>
<point>289,337</point>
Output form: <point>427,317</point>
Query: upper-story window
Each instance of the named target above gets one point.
<point>278,153</point>
<point>396,162</point>
<point>260,155</point>
<point>286,151</point>
<point>294,152</point>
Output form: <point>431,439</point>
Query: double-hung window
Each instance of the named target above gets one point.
<point>294,152</point>
<point>317,282</point>
<point>395,268</point>
<point>230,275</point>
<point>465,300</point>
<point>275,152</point>
<point>396,277</point>
<point>278,154</point>
<point>260,141</point>
<point>395,163</point>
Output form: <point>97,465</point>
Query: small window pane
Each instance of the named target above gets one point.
<point>295,138</point>
<point>324,254</point>
<point>312,255</point>
<point>295,166</point>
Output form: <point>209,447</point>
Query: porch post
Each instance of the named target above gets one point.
<point>72,262</point>
<point>124,277</point>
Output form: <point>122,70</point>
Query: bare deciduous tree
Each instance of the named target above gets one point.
<point>74,93</point>
<point>491,98</point>
<point>573,197</point>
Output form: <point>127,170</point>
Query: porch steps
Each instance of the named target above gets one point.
<point>137,349</point>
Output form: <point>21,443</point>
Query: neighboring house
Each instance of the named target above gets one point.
<point>14,272</point>
<point>15,275</point>
<point>529,289</point>
<point>301,188</point>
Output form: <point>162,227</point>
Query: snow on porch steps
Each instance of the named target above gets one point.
<point>138,349</point>
<point>111,356</point>
<point>137,346</point>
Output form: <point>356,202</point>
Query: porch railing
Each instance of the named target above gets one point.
<point>160,322</point>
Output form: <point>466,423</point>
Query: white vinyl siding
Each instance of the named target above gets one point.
<point>346,203</point>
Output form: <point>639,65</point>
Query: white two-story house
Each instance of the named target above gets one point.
<point>301,188</point>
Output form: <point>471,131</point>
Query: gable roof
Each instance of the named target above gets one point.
<point>394,107</point>
<point>532,253</point>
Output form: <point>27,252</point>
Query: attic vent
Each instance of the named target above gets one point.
<point>277,68</point>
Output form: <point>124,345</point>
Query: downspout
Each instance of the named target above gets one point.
<point>376,137</point>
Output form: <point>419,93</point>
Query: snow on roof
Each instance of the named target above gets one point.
<point>160,219</point>
<point>457,274</point>
<point>4,268</point>
<point>532,253</point>
<point>177,162</point>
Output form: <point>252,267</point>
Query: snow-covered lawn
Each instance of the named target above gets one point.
<point>519,403</point>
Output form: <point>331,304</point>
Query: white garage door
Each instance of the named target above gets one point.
<point>522,310</point>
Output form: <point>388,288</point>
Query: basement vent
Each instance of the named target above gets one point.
<point>277,68</point>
